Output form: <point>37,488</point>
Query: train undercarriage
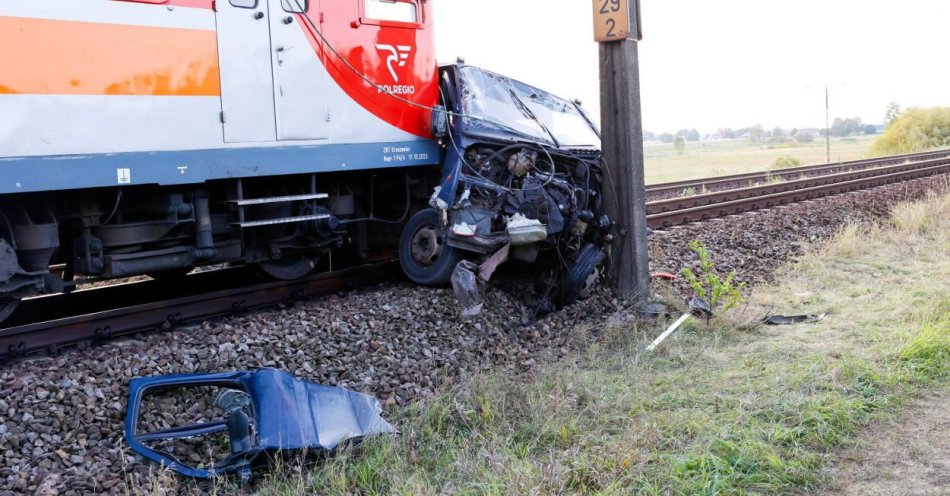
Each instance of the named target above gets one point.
<point>280,226</point>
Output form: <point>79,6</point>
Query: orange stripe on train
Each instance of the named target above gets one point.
<point>41,56</point>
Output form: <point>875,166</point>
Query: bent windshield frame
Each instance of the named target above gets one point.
<point>490,98</point>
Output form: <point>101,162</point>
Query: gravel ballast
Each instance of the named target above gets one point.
<point>61,417</point>
<point>758,243</point>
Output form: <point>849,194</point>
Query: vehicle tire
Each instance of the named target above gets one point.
<point>585,266</point>
<point>425,257</point>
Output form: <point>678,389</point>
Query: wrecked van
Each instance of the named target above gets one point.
<point>522,180</point>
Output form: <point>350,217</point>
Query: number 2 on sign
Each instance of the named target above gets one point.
<point>611,21</point>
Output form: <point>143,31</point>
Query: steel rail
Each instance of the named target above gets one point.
<point>683,203</point>
<point>51,335</point>
<point>744,180</point>
<point>733,207</point>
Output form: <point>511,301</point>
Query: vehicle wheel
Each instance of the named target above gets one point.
<point>286,268</point>
<point>423,254</point>
<point>579,281</point>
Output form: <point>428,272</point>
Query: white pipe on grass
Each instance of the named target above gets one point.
<point>676,325</point>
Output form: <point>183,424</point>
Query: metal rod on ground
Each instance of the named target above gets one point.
<point>617,27</point>
<point>676,325</point>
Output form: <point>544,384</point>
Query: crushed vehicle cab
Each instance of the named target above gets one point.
<point>522,180</point>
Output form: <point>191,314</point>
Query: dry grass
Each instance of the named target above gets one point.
<point>921,218</point>
<point>716,411</point>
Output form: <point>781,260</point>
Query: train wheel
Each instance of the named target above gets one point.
<point>287,268</point>
<point>423,254</point>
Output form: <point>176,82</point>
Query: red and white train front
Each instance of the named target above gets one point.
<point>148,136</point>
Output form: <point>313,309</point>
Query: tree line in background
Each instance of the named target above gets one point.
<point>685,134</point>
<point>914,130</point>
<point>758,135</point>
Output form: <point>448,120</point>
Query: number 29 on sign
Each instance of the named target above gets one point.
<point>612,20</point>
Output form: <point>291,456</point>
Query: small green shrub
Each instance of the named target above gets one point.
<point>928,352</point>
<point>721,294</point>
<point>785,162</point>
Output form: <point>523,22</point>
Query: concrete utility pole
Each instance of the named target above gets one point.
<point>617,28</point>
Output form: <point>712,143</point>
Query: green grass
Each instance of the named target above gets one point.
<point>664,164</point>
<point>714,411</point>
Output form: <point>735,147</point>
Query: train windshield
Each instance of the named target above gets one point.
<point>493,101</point>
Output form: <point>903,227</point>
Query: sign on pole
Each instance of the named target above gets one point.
<point>617,28</point>
<point>616,20</point>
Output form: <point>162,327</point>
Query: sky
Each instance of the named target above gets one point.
<point>729,63</point>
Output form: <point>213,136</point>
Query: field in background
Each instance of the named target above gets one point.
<point>664,164</point>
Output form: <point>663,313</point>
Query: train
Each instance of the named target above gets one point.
<point>151,137</point>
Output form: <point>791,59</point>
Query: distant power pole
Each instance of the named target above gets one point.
<point>617,28</point>
<point>827,127</point>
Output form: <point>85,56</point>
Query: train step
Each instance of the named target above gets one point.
<point>282,220</point>
<point>278,199</point>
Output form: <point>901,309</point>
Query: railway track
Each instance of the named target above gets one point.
<point>713,184</point>
<point>676,211</point>
<point>95,315</point>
